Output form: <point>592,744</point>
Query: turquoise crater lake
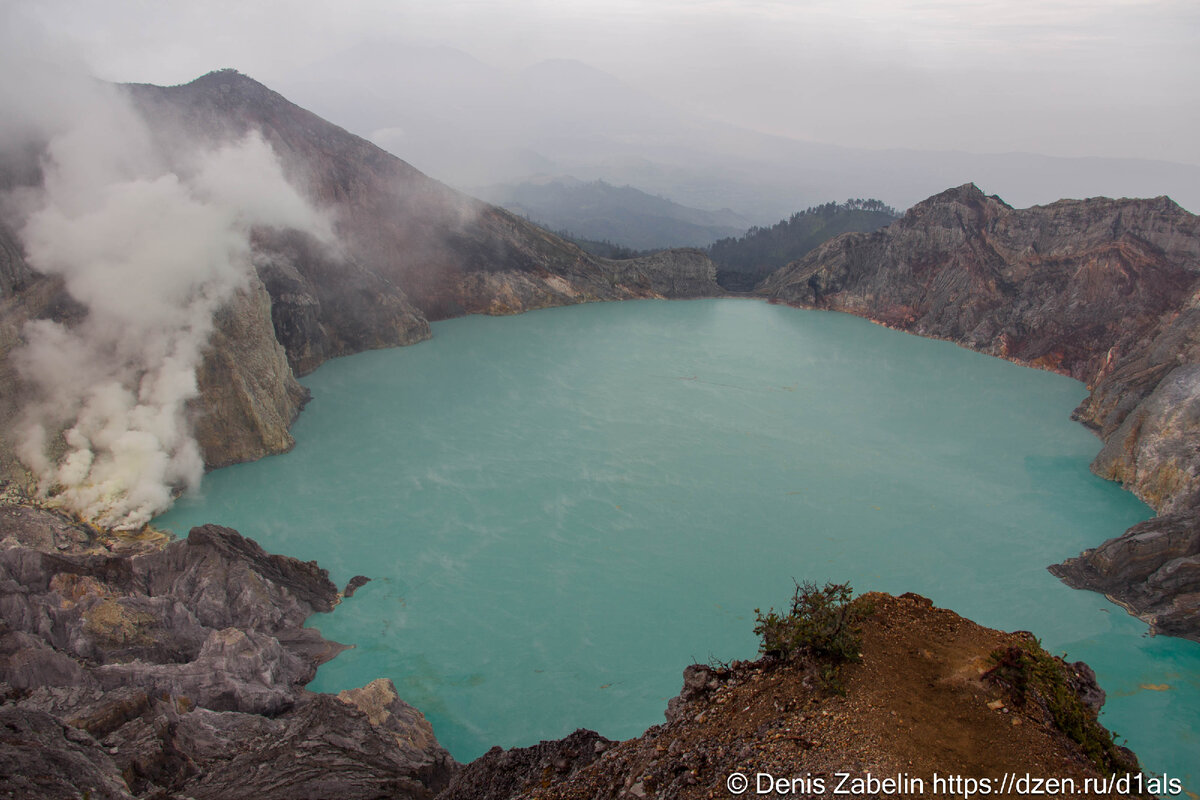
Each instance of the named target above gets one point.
<point>563,509</point>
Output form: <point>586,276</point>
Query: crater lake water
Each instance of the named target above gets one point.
<point>561,510</point>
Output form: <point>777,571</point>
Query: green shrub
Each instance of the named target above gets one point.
<point>822,624</point>
<point>1029,672</point>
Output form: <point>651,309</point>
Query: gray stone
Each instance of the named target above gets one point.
<point>180,672</point>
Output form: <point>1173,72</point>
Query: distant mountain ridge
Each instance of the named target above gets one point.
<point>622,215</point>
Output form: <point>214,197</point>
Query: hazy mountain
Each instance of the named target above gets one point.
<point>472,125</point>
<point>622,215</point>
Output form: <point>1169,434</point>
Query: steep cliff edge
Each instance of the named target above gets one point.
<point>249,395</point>
<point>1106,291</point>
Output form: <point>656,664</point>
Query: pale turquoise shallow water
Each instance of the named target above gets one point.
<point>563,509</point>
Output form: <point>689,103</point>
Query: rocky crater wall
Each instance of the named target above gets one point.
<point>1105,291</point>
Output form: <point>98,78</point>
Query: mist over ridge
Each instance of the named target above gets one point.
<point>462,121</point>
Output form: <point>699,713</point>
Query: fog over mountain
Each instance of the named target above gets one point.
<point>472,125</point>
<point>765,108</point>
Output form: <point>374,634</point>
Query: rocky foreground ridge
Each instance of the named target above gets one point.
<point>139,670</point>
<point>130,669</point>
<point>1106,291</point>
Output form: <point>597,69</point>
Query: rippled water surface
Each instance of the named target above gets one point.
<point>563,509</point>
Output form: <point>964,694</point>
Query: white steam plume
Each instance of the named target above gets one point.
<point>151,252</point>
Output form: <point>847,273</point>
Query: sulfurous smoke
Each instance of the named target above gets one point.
<point>151,250</point>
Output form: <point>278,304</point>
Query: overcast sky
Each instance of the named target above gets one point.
<point>1061,77</point>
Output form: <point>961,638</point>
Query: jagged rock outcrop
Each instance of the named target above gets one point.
<point>324,306</point>
<point>500,774</point>
<point>1153,569</point>
<point>1106,291</point>
<point>40,756</point>
<point>179,671</point>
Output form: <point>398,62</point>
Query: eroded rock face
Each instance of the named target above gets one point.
<point>324,305</point>
<point>1153,569</point>
<point>1156,450</point>
<point>249,396</point>
<point>1071,286</point>
<point>1106,291</point>
<point>42,757</point>
<point>24,295</point>
<point>181,671</point>
<point>678,273</point>
<point>424,757</point>
<point>14,272</point>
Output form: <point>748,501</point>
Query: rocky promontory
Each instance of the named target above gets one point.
<point>1106,291</point>
<point>924,700</point>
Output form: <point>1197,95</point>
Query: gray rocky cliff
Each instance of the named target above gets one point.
<point>678,273</point>
<point>179,671</point>
<point>323,305</point>
<point>1103,290</point>
<point>1152,569</point>
<point>14,272</point>
<point>1069,287</point>
<point>32,297</point>
<point>249,396</point>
